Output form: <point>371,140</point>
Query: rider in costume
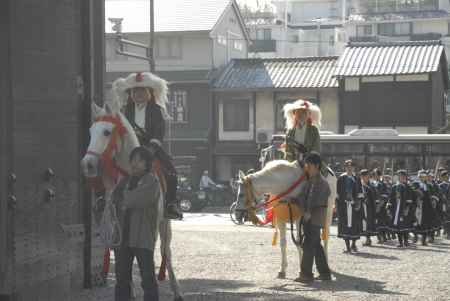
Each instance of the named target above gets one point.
<point>142,97</point>
<point>303,120</point>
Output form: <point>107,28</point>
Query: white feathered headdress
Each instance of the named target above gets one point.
<point>121,87</point>
<point>289,109</point>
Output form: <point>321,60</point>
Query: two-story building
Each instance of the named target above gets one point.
<point>398,20</point>
<point>192,40</point>
<point>401,85</point>
<point>249,95</point>
<point>299,28</point>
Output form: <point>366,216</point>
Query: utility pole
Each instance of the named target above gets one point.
<point>151,44</point>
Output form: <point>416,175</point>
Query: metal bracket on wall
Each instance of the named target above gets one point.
<point>12,201</point>
<point>49,192</point>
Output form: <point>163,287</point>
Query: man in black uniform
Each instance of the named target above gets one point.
<point>445,202</point>
<point>424,209</point>
<point>381,211</point>
<point>402,208</point>
<point>366,194</point>
<point>349,208</point>
<point>143,98</point>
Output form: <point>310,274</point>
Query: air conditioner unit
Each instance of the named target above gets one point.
<point>263,136</point>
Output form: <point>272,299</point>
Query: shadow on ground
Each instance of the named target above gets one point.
<point>342,283</point>
<point>225,290</point>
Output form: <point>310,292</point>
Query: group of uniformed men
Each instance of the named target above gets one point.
<point>371,205</point>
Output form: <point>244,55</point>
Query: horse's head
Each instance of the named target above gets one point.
<point>109,134</point>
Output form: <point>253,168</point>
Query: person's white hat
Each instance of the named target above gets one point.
<point>121,86</point>
<point>290,108</point>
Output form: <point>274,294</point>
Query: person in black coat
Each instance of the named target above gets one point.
<point>366,193</point>
<point>444,187</point>
<point>382,218</point>
<point>402,209</point>
<point>349,208</point>
<point>424,209</point>
<point>143,98</point>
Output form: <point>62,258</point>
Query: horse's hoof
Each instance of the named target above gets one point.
<point>281,275</point>
<point>179,298</point>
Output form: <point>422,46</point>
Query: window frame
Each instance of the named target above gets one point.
<point>172,107</point>
<point>172,44</point>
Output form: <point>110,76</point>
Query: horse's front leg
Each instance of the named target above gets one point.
<point>281,225</point>
<point>165,232</point>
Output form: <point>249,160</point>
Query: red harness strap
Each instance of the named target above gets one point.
<point>281,195</point>
<point>110,166</point>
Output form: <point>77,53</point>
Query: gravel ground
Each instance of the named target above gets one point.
<point>217,261</point>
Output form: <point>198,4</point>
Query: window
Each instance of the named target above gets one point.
<point>178,106</point>
<point>331,41</point>
<point>168,47</point>
<point>264,34</point>
<point>238,45</point>
<point>408,5</point>
<point>386,6</point>
<point>394,29</point>
<point>236,114</point>
<point>363,30</point>
<point>222,39</point>
<point>387,29</point>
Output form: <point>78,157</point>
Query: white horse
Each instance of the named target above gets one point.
<point>112,140</point>
<point>279,178</point>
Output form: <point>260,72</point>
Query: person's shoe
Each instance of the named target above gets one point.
<point>354,248</point>
<point>424,243</point>
<point>367,243</point>
<point>172,212</point>
<point>415,239</point>
<point>324,277</point>
<point>347,251</point>
<point>406,243</point>
<point>305,279</point>
<point>400,245</point>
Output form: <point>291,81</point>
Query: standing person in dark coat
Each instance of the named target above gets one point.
<point>435,196</point>
<point>402,200</point>
<point>366,194</point>
<point>349,208</point>
<point>424,208</point>
<point>445,202</point>
<point>143,98</point>
<point>313,199</point>
<point>381,211</point>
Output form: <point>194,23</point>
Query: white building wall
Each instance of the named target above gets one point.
<point>196,53</point>
<point>265,115</point>
<point>435,26</point>
<point>228,27</point>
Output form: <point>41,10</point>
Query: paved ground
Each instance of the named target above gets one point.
<point>216,260</point>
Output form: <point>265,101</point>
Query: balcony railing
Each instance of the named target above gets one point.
<point>263,46</point>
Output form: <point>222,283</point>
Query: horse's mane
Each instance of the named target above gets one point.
<point>129,128</point>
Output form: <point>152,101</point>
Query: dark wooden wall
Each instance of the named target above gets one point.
<point>47,81</point>
<point>5,144</point>
<point>388,104</point>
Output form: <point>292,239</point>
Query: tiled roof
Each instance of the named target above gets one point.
<point>398,16</point>
<point>170,15</point>
<point>370,59</point>
<point>248,74</point>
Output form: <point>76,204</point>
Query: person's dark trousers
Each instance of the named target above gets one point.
<point>313,250</point>
<point>124,266</point>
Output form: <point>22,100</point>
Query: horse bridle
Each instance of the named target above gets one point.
<point>106,157</point>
